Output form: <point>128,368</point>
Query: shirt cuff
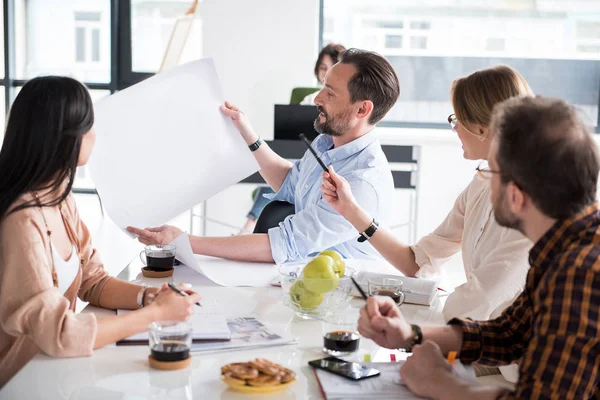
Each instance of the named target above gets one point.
<point>471,344</point>
<point>426,270</point>
<point>278,245</point>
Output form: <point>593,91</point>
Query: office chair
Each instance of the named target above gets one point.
<point>273,213</point>
<point>406,178</point>
<point>299,93</point>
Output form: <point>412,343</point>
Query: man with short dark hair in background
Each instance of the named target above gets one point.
<point>543,166</point>
<point>358,92</point>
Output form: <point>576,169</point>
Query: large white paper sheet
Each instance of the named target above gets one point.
<point>163,146</point>
<point>220,271</point>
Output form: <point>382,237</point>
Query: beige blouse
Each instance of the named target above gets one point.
<point>34,315</point>
<point>495,258</point>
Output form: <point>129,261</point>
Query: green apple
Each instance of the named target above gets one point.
<point>319,275</point>
<point>303,297</point>
<point>339,264</point>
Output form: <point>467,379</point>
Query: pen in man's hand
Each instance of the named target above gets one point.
<point>314,153</point>
<point>181,292</point>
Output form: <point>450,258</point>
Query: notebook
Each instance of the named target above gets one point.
<point>416,290</point>
<point>388,385</point>
<point>208,324</point>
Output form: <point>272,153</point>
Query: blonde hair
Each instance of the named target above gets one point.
<point>474,96</point>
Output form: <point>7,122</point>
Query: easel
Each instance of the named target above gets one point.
<point>179,35</point>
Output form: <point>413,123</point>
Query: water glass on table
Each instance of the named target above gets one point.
<point>390,287</point>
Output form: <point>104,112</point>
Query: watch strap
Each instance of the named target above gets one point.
<point>140,296</point>
<point>417,337</point>
<point>254,146</point>
<point>369,232</point>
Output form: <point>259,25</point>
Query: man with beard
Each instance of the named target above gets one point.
<point>359,90</point>
<point>543,167</point>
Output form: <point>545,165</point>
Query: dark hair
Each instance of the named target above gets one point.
<point>332,50</point>
<point>375,80</point>
<point>43,139</point>
<point>547,150</point>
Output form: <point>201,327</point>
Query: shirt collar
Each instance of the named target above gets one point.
<point>561,234</point>
<point>347,150</point>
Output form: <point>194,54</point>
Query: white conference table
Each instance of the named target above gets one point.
<point>123,372</point>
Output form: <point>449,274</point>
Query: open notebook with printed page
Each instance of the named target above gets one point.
<point>208,324</point>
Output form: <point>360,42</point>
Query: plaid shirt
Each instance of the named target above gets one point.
<point>553,326</point>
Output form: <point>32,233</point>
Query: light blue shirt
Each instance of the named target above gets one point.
<point>316,226</point>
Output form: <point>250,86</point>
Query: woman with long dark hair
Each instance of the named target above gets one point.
<point>46,255</point>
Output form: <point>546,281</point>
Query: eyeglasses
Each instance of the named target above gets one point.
<point>484,170</point>
<point>453,121</point>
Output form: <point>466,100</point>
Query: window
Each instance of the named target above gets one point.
<point>87,36</point>
<point>418,42</point>
<point>69,38</point>
<point>588,38</point>
<point>393,41</point>
<point>430,46</point>
<point>80,39</point>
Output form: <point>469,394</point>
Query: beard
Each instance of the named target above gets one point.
<point>334,125</point>
<point>504,217</point>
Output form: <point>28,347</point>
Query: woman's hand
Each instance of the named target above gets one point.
<point>336,191</point>
<point>171,306</point>
<point>162,235</point>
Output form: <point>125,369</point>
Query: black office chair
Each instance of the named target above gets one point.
<point>406,178</point>
<point>272,215</point>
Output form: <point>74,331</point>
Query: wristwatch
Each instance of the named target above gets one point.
<point>369,232</point>
<point>140,296</point>
<point>254,146</point>
<point>417,337</point>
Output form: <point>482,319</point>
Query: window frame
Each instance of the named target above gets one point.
<point>121,74</point>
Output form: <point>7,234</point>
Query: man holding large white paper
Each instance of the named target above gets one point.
<point>358,92</point>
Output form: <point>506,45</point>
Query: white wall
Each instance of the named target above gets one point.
<point>262,50</point>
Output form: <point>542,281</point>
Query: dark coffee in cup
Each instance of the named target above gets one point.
<point>170,351</point>
<point>341,341</point>
<point>389,293</point>
<point>160,260</point>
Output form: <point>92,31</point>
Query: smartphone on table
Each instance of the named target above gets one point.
<point>350,370</point>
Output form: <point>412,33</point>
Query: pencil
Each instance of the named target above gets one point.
<point>314,153</point>
<point>451,357</point>
<point>181,292</point>
<point>362,292</point>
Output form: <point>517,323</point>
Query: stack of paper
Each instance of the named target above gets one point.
<point>416,290</point>
<point>208,323</point>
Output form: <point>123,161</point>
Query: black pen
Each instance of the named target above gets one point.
<point>181,292</point>
<point>362,292</point>
<point>314,153</point>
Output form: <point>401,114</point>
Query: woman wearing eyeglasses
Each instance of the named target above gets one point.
<point>494,258</point>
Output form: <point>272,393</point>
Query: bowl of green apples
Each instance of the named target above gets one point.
<point>314,288</point>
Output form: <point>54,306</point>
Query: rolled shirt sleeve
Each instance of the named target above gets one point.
<point>319,226</point>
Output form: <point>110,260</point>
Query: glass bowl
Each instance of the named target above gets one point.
<point>309,304</point>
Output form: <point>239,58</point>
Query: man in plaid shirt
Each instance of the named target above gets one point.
<point>543,169</point>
